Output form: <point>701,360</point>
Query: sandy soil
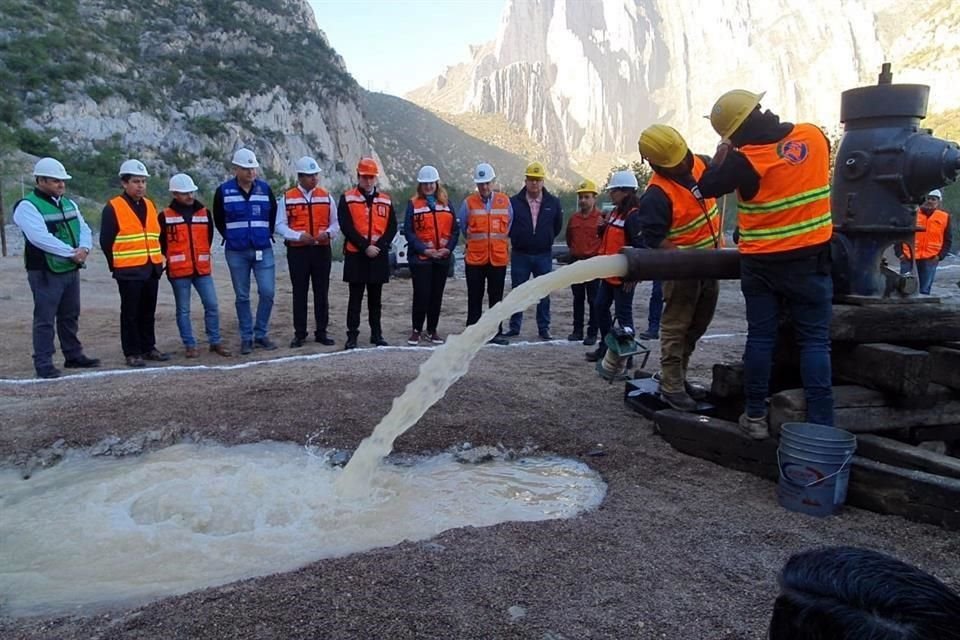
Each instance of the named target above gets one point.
<point>681,548</point>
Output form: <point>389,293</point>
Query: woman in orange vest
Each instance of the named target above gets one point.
<point>432,233</point>
<point>932,242</point>
<point>130,239</point>
<point>673,215</point>
<point>614,235</point>
<point>186,233</point>
<point>368,223</point>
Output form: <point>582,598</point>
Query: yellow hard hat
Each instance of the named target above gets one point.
<point>587,186</point>
<point>535,170</point>
<point>731,109</point>
<point>662,145</point>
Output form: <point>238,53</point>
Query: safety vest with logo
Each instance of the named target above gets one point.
<point>307,213</point>
<point>792,207</point>
<point>614,238</point>
<point>486,232</point>
<point>135,244</point>
<point>929,240</point>
<point>188,244</point>
<point>63,223</point>
<point>696,223</point>
<point>247,218</point>
<point>370,222</point>
<point>433,228</point>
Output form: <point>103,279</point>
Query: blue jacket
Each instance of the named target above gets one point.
<point>523,237</point>
<point>245,220</point>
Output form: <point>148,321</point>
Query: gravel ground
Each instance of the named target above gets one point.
<point>680,548</point>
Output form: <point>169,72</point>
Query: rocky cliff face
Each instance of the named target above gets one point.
<point>586,76</point>
<point>181,84</point>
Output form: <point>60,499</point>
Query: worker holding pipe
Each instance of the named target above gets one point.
<point>780,172</point>
<point>674,215</point>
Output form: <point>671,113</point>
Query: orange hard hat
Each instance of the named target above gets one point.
<point>367,167</point>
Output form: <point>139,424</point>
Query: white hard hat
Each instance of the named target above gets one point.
<point>936,193</point>
<point>182,183</point>
<point>245,158</point>
<point>306,165</point>
<point>483,173</point>
<point>50,168</point>
<point>133,168</point>
<point>623,180</point>
<point>428,173</point>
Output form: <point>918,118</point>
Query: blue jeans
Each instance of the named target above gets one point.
<point>926,272</point>
<point>804,287</point>
<point>241,263</point>
<point>622,308</point>
<point>522,266</point>
<point>208,297</point>
<point>655,311</point>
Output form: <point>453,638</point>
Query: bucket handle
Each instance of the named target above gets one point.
<point>815,482</point>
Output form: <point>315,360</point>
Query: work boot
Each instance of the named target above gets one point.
<point>512,333</point>
<point>219,349</point>
<point>590,340</point>
<point>351,343</point>
<point>576,336</point>
<point>649,334</point>
<point>595,355</point>
<point>135,361</point>
<point>48,373</point>
<point>192,352</point>
<point>246,347</point>
<point>435,338</point>
<point>679,400</point>
<point>500,340</point>
<point>296,343</point>
<point>325,340</point>
<point>265,343</point>
<point>81,362</point>
<point>695,391</point>
<point>414,338</point>
<point>546,335</point>
<point>755,428</point>
<point>379,341</point>
<point>156,355</point>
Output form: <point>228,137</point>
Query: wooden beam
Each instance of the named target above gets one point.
<point>906,456</point>
<point>901,371</point>
<point>907,324</point>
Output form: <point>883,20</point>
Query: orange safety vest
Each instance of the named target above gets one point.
<point>307,215</point>
<point>929,239</point>
<point>614,238</point>
<point>135,246</point>
<point>188,244</point>
<point>433,230</point>
<point>371,223</point>
<point>696,224</point>
<point>792,208</point>
<point>486,232</point>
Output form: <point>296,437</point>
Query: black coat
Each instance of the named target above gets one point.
<point>357,267</point>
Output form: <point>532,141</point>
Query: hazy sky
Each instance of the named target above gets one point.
<point>397,45</point>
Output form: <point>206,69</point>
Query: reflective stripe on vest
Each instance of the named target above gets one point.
<point>692,227</point>
<point>371,223</point>
<point>486,233</point>
<point>929,240</point>
<point>247,219</point>
<point>63,223</point>
<point>188,244</point>
<point>614,238</point>
<point>307,215</point>
<point>433,228</point>
<point>792,208</point>
<point>135,245</point>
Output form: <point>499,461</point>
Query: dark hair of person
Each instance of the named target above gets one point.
<point>846,593</point>
<point>629,203</point>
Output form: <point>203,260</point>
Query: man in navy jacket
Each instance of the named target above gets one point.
<point>537,220</point>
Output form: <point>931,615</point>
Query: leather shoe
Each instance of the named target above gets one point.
<point>192,352</point>
<point>679,400</point>
<point>220,350</point>
<point>500,340</point>
<point>576,336</point>
<point>325,340</point>
<point>545,335</point>
<point>648,335</point>
<point>265,343</point>
<point>48,373</point>
<point>512,333</point>
<point>296,343</point>
<point>595,355</point>
<point>156,356</point>
<point>379,341</point>
<point>135,361</point>
<point>82,362</point>
<point>351,343</point>
<point>589,341</point>
<point>246,347</point>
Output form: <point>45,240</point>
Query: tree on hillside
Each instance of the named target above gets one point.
<point>639,168</point>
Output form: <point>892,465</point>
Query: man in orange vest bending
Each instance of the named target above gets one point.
<point>130,238</point>
<point>931,244</point>
<point>186,233</point>
<point>307,220</point>
<point>781,173</point>
<point>673,215</point>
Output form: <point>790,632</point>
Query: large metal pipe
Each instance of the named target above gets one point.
<point>682,264</point>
